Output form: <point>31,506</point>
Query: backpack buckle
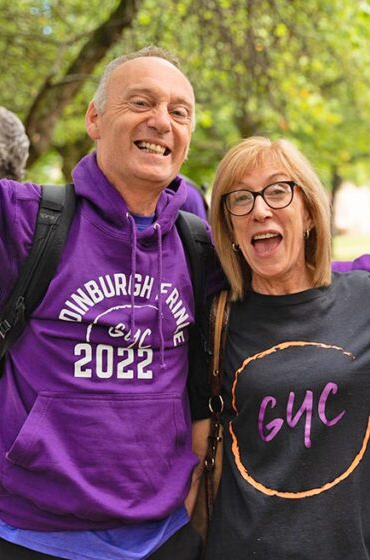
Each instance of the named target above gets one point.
<point>5,327</point>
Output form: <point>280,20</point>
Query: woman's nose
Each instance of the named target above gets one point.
<point>261,210</point>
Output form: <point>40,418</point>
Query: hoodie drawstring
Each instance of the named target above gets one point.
<point>157,227</point>
<point>133,275</point>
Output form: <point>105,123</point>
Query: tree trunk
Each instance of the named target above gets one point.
<point>52,98</point>
<point>336,181</point>
<point>72,152</point>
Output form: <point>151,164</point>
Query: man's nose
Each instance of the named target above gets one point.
<point>160,119</point>
<point>261,209</point>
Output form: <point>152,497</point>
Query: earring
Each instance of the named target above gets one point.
<point>235,247</point>
<point>306,234</point>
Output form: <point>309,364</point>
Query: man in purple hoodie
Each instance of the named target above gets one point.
<point>95,429</point>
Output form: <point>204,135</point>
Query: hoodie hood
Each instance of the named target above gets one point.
<point>92,185</point>
<point>104,204</point>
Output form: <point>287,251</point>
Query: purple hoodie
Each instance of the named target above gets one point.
<point>94,414</point>
<point>361,263</point>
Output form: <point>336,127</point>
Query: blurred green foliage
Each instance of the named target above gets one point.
<point>289,68</point>
<point>348,247</point>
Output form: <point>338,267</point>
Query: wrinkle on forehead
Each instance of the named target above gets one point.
<point>275,176</point>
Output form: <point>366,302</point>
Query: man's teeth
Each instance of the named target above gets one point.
<point>264,236</point>
<point>153,148</point>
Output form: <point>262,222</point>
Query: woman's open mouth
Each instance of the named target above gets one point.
<point>265,243</point>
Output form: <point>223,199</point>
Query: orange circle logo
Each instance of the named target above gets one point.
<point>330,387</point>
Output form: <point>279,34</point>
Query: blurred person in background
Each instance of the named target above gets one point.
<point>14,146</point>
<point>195,201</point>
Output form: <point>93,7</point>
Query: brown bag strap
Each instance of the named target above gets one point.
<point>219,326</point>
<point>219,315</point>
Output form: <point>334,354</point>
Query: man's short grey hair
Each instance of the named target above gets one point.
<point>14,146</point>
<point>100,97</point>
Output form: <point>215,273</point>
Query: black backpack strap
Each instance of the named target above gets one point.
<point>56,211</point>
<point>199,250</point>
<point>195,240</point>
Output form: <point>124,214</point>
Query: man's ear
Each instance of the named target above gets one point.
<point>92,122</point>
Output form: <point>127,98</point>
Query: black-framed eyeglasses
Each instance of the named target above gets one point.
<point>277,195</point>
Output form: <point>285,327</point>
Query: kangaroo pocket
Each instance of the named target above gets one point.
<point>102,457</point>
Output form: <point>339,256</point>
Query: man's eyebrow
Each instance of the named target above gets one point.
<point>137,90</point>
<point>131,90</point>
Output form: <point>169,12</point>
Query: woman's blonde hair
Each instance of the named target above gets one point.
<point>246,156</point>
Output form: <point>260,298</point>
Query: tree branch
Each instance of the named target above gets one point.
<point>53,98</point>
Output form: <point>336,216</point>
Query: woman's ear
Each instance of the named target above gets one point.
<point>310,223</point>
<point>307,219</point>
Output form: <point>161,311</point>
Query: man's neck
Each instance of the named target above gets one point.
<point>139,206</point>
<point>140,200</point>
<point>140,195</point>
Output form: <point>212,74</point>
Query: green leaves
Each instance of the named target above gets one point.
<point>293,68</point>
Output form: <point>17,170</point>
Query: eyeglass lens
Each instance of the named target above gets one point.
<point>277,195</point>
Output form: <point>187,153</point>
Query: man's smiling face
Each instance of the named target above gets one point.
<point>144,131</point>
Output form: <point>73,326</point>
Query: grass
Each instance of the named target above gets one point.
<point>348,247</point>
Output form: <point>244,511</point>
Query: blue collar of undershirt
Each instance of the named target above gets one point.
<point>143,222</point>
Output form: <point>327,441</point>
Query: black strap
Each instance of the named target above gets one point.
<point>56,211</point>
<point>199,251</point>
<point>194,238</point>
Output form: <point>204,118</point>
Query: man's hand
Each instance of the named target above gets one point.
<point>200,432</point>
